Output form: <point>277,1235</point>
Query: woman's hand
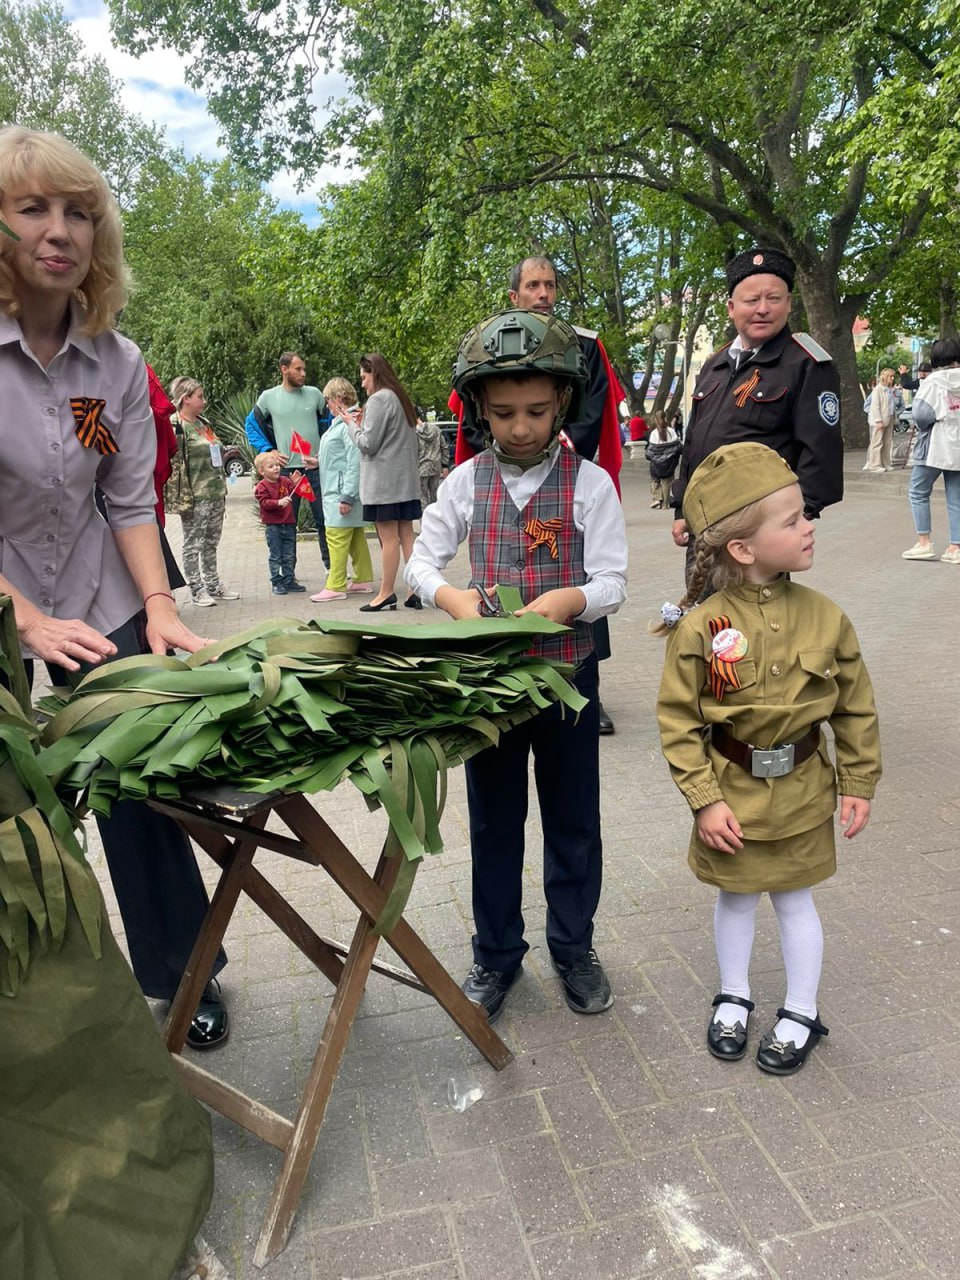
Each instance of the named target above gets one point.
<point>854,815</point>
<point>66,642</point>
<point>165,629</point>
<point>680,533</point>
<point>459,604</point>
<point>718,828</point>
<point>344,507</point>
<point>559,606</point>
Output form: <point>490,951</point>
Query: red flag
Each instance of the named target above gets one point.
<point>304,489</point>
<point>299,445</point>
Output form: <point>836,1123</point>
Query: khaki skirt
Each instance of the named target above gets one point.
<point>768,866</point>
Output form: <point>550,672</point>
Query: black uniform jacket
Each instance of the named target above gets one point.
<point>784,397</point>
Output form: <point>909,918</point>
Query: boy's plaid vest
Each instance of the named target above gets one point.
<point>514,548</point>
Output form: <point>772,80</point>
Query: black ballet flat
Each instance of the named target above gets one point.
<point>729,1043</point>
<point>389,603</point>
<point>782,1057</point>
<point>413,602</point>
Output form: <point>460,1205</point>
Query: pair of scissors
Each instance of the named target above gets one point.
<point>488,606</point>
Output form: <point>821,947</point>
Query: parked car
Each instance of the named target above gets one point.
<point>449,432</point>
<point>236,462</point>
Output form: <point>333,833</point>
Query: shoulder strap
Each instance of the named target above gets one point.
<point>585,333</point>
<point>812,348</point>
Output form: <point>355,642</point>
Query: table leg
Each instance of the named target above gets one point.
<point>369,896</point>
<point>237,857</point>
<point>296,1164</point>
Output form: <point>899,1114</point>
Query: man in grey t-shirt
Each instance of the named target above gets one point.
<point>288,409</point>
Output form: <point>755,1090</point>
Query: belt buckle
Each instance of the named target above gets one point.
<point>775,762</point>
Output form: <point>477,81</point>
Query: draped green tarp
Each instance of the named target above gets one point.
<point>106,1164</point>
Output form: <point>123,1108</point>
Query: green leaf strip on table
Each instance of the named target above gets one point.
<point>41,862</point>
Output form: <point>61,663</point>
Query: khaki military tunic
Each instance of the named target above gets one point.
<point>802,667</point>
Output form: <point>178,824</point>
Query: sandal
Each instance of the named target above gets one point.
<point>783,1058</point>
<point>729,1043</point>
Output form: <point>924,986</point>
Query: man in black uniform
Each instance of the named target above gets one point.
<point>770,385</point>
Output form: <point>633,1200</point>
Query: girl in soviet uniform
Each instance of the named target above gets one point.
<point>751,675</point>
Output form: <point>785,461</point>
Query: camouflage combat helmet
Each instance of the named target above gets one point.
<point>518,341</point>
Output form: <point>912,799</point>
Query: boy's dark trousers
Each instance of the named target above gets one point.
<point>316,506</point>
<point>282,553</point>
<point>566,752</point>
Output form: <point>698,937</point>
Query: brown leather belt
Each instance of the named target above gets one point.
<point>766,762</point>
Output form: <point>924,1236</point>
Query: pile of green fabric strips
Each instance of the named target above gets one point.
<point>299,707</point>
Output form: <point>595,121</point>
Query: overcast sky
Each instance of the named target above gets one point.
<point>155,90</point>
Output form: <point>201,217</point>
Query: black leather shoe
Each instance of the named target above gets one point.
<point>389,603</point>
<point>296,586</point>
<point>211,1023</point>
<point>488,988</point>
<point>782,1057</point>
<point>606,724</point>
<point>585,985</point>
<point>413,602</point>
<point>729,1043</point>
<point>279,589</point>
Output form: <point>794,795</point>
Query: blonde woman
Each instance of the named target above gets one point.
<point>342,511</point>
<point>881,415</point>
<point>203,525</point>
<point>85,589</point>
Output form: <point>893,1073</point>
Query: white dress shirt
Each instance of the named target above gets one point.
<point>596,513</point>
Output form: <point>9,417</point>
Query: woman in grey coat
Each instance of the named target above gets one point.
<point>389,471</point>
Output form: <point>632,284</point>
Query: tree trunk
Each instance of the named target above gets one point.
<point>825,316</point>
<point>948,309</point>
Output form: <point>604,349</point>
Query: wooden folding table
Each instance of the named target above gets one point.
<point>230,826</point>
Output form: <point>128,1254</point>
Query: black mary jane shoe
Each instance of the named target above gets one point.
<point>729,1043</point>
<point>211,1023</point>
<point>782,1057</point>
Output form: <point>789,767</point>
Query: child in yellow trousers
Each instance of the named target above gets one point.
<point>342,509</point>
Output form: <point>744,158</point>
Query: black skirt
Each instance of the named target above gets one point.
<point>384,511</point>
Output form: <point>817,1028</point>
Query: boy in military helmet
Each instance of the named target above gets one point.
<point>538,517</point>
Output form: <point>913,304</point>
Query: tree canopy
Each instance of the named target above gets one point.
<point>767,125</point>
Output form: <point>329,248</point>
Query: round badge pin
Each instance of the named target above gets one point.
<point>730,645</point>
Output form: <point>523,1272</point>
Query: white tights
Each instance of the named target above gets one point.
<point>801,940</point>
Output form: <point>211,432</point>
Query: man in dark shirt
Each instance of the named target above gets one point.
<point>770,385</point>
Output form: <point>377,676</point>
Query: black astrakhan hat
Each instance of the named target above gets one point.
<point>755,262</point>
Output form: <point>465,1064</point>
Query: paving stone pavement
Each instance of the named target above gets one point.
<point>615,1147</point>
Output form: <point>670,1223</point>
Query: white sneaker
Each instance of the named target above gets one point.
<point>203,599</point>
<point>221,593</point>
<point>919,552</point>
<point>875,471</point>
<point>951,557</point>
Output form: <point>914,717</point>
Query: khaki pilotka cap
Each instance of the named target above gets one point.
<point>729,479</point>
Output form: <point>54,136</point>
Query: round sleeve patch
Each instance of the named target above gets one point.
<point>828,403</point>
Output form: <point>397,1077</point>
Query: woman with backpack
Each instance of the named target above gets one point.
<point>663,453</point>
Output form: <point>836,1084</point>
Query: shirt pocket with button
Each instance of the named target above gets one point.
<point>819,671</point>
<point>764,406</point>
<point>746,670</point>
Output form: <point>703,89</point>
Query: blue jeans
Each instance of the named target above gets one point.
<point>921,485</point>
<point>282,553</point>
<point>316,506</point>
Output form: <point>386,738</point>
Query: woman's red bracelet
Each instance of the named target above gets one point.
<point>159,593</point>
